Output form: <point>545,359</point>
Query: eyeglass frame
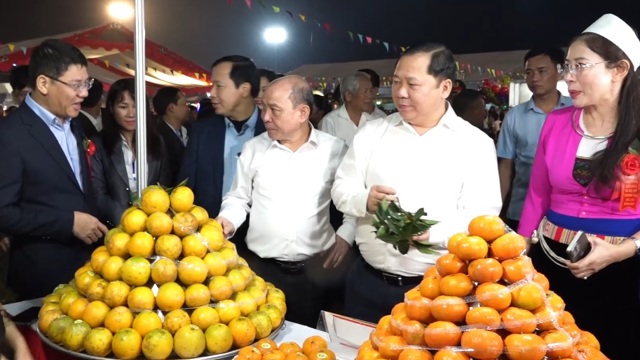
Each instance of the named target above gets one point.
<point>87,84</point>
<point>575,69</point>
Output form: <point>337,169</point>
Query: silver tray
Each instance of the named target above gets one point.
<point>78,355</point>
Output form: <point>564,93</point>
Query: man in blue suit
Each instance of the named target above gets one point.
<point>46,199</point>
<point>215,143</point>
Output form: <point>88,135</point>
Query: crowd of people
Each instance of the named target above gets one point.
<point>295,185</point>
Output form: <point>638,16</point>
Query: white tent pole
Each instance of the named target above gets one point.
<point>141,96</point>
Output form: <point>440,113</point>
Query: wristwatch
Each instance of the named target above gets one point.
<point>636,241</point>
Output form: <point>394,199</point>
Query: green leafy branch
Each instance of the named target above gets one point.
<point>398,227</point>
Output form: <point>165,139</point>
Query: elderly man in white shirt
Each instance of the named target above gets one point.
<point>284,181</point>
<point>357,98</point>
<point>422,156</point>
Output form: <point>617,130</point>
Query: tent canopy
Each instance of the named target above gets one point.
<point>472,67</point>
<point>110,52</point>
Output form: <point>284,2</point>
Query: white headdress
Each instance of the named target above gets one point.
<point>618,32</point>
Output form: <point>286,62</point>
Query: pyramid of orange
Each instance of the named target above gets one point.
<point>166,283</point>
<point>483,300</point>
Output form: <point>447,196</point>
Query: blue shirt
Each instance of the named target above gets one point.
<point>233,143</point>
<point>518,141</point>
<point>61,130</point>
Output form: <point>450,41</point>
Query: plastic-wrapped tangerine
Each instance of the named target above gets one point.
<point>159,223</point>
<point>192,270</point>
<point>482,344</point>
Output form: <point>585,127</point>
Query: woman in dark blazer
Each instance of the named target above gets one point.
<point>114,163</point>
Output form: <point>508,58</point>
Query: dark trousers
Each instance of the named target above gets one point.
<point>513,224</point>
<point>606,304</point>
<point>304,297</point>
<point>367,296</point>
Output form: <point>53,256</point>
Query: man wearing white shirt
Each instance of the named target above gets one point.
<point>424,156</point>
<point>357,98</point>
<point>284,179</point>
<point>374,111</point>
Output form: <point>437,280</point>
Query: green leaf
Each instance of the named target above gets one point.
<point>419,214</point>
<point>389,239</point>
<point>425,248</point>
<point>382,231</point>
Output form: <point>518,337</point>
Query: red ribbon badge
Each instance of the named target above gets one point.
<point>628,187</point>
<point>90,149</point>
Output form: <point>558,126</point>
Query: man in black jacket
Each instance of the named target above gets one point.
<point>90,117</point>
<point>46,199</point>
<point>173,113</point>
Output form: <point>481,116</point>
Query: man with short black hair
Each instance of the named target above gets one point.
<point>173,112</point>
<point>46,199</point>
<point>19,81</point>
<point>90,117</point>
<point>469,105</point>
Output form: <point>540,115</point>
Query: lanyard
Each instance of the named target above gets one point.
<point>133,171</point>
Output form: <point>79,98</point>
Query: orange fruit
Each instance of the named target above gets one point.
<point>390,347</point>
<point>296,356</point>
<point>517,269</point>
<point>157,344</point>
<point>98,257</point>
<point>112,268</point>
<point>141,298</point>
<point>197,295</point>
<point>117,244</point>
<point>181,199</point>
<point>141,244</point>
<point>508,246</point>
<point>169,246</point>
<point>116,293</point>
<point>204,316</point>
<point>519,321</point>
<point>528,296</point>
<point>201,214</point>
<point>194,245</point>
<point>448,264</point>
<point>454,241</point>
<point>449,308</point>
<point>485,270</point>
<point>213,235</point>
<point>274,355</point>
<point>84,280</point>
<point>159,223</point>
<point>146,321</point>
<point>415,354</point>
<point>266,346</point>
<point>471,248</point>
<point>482,344</point>
<point>488,227</point>
<point>218,338</point>
<point>493,295</point>
<point>322,354</point>
<point>450,354</point>
<point>126,344</point>
<point>98,342</point>
<point>118,318</point>
<point>175,320</point>
<point>430,286</point>
<point>133,221</point>
<point>413,332</point>
<point>192,270</point>
<point>555,301</point>
<point>45,319</point>
<point>243,331</point>
<point>170,297</point>
<point>541,280</point>
<point>439,334</point>
<point>546,318</point>
<point>559,344</point>
<point>313,343</point>
<point>384,324</point>
<point>525,347</point>
<point>154,199</point>
<point>418,308</point>
<point>456,285</point>
<point>250,353</point>
<point>587,352</point>
<point>483,317</point>
<point>136,271</point>
<point>184,223</point>
<point>163,271</point>
<point>95,313</point>
<point>189,342</point>
<point>289,347</point>
<point>77,308</point>
<point>97,289</point>
<point>587,338</point>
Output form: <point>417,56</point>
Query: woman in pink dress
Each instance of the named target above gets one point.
<point>586,178</point>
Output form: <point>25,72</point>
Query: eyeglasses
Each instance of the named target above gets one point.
<point>575,69</point>
<point>76,86</point>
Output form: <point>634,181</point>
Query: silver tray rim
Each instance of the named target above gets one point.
<point>82,355</point>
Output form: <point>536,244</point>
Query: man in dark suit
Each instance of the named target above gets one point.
<point>19,81</point>
<point>90,117</point>
<point>46,199</point>
<point>215,143</point>
<point>173,113</point>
